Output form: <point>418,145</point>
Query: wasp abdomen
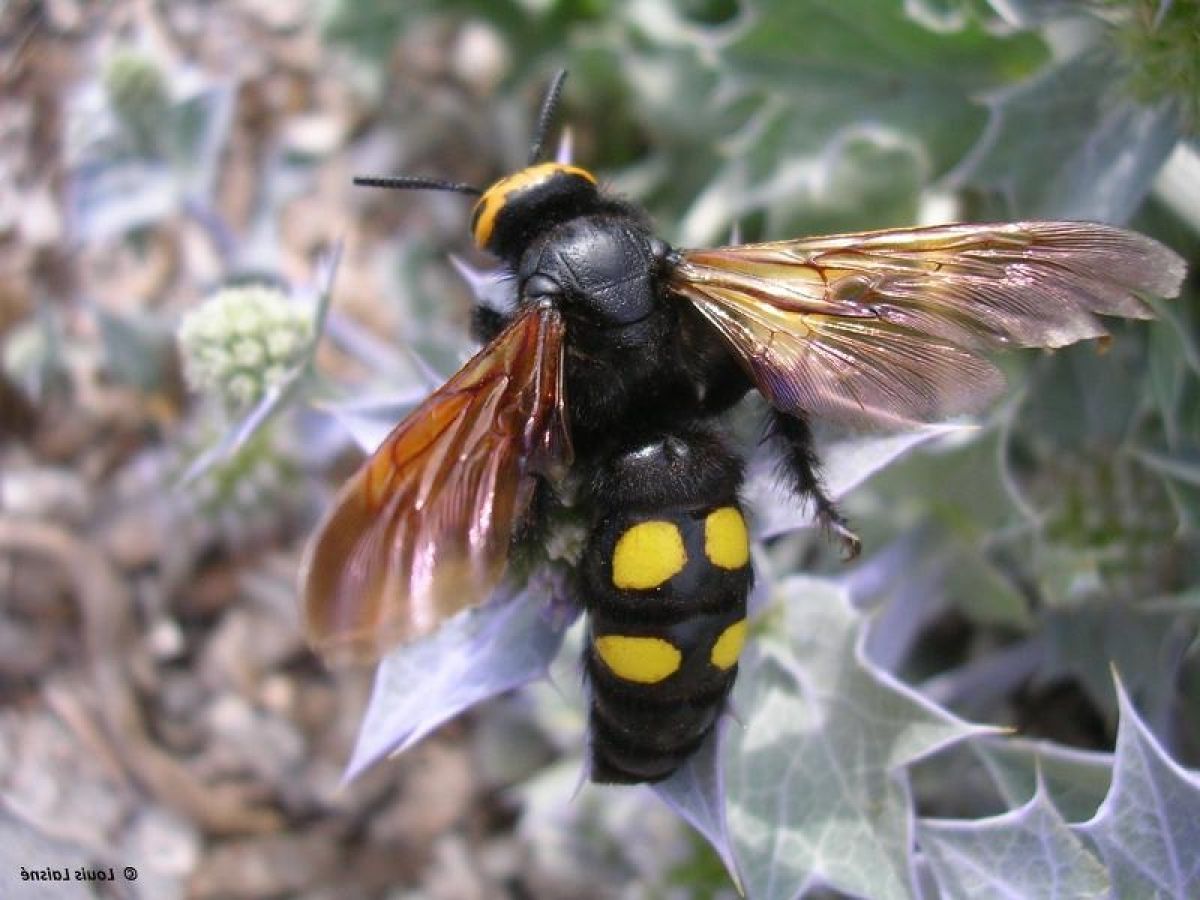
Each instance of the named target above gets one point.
<point>666,585</point>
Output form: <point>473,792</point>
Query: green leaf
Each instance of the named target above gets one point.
<point>815,777</point>
<point>1029,852</point>
<point>840,64</point>
<point>981,591</point>
<point>1183,466</point>
<point>1148,829</point>
<point>1074,780</point>
<point>138,350</point>
<point>1146,647</point>
<point>1068,144</point>
<point>804,117</point>
<point>959,488</point>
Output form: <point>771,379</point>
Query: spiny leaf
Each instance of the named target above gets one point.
<point>697,794</point>
<point>1148,828</point>
<point>1029,852</point>
<point>482,652</point>
<point>815,781</point>
<point>1075,781</point>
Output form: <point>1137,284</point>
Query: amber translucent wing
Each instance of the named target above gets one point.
<point>887,327</point>
<point>422,530</point>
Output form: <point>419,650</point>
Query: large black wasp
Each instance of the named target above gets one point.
<point>610,374</point>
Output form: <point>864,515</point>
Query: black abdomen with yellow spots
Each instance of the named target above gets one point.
<point>666,575</point>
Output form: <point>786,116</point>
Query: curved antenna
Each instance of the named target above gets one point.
<point>418,183</point>
<point>543,122</point>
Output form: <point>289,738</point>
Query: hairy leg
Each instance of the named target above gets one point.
<point>793,436</point>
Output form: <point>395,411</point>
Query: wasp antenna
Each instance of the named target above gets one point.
<point>418,183</point>
<point>547,113</point>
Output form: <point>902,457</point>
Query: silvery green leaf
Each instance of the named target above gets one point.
<point>817,791</point>
<point>199,127</point>
<point>108,198</point>
<point>983,682</point>
<point>1075,781</point>
<point>1028,852</point>
<point>138,350</point>
<point>863,167</point>
<point>1186,601</point>
<point>484,651</point>
<point>815,55</point>
<point>113,191</point>
<point>697,794</point>
<point>1077,392</point>
<point>1069,144</point>
<point>1182,466</point>
<point>847,464</point>
<point>322,288</point>
<point>901,584</point>
<point>1168,379</point>
<point>1146,647</point>
<point>1148,828</point>
<point>817,117</point>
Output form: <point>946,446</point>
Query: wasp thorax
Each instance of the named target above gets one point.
<point>520,206</point>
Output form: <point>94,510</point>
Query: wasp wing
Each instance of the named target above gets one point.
<point>422,529</point>
<point>887,327</point>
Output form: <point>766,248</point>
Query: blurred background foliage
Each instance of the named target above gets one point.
<point>155,153</point>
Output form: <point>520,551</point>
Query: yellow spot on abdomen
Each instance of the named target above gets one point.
<point>728,646</point>
<point>645,660</point>
<point>647,555</point>
<point>726,542</point>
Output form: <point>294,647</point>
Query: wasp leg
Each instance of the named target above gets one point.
<point>664,576</point>
<point>802,468</point>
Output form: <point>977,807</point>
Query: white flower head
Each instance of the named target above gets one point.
<point>243,341</point>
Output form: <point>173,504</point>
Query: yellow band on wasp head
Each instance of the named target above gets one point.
<point>483,219</point>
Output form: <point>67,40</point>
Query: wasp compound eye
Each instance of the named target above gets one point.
<point>541,287</point>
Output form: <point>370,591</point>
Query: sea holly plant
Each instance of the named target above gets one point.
<point>1148,828</point>
<point>143,143</point>
<point>1029,852</point>
<point>1141,842</point>
<point>822,117</point>
<point>815,777</point>
<point>251,348</point>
